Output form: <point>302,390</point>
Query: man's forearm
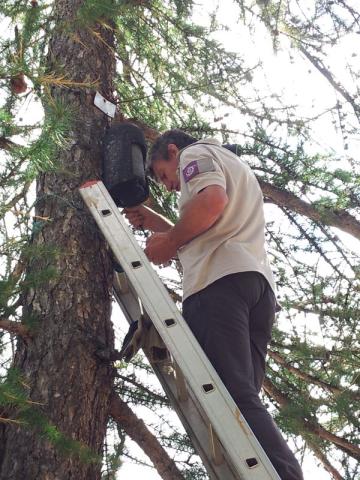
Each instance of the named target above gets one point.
<point>144,217</point>
<point>158,222</point>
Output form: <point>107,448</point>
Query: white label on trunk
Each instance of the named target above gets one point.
<point>104,105</point>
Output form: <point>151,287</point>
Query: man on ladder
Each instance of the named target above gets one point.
<point>228,288</point>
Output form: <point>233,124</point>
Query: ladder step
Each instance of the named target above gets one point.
<point>216,450</point>
<point>180,384</point>
<point>122,282</point>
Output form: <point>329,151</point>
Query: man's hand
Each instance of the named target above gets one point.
<point>160,248</point>
<point>137,216</point>
<point>143,217</point>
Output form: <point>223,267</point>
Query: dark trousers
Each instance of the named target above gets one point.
<point>232,320</point>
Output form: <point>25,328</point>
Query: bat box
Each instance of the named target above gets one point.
<point>124,160</point>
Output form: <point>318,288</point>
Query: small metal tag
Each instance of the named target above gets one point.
<point>104,105</point>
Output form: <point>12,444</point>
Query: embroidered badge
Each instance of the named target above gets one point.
<point>190,171</point>
<point>197,166</point>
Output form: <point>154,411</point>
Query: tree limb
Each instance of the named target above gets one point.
<point>7,144</point>
<point>340,219</point>
<point>14,327</point>
<point>137,431</point>
<point>318,64</point>
<point>159,398</point>
<point>310,425</point>
<point>324,460</point>
<point>6,207</point>
<point>305,376</point>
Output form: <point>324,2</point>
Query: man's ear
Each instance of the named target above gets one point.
<point>172,150</point>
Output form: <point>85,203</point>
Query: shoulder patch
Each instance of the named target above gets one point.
<point>197,166</point>
<point>190,171</point>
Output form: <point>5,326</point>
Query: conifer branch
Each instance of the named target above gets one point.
<point>312,241</point>
<point>9,205</point>
<point>139,433</point>
<point>7,144</point>
<point>158,398</point>
<point>318,64</point>
<point>64,82</point>
<point>310,425</point>
<point>340,219</point>
<point>15,168</point>
<point>10,421</point>
<point>324,460</point>
<point>307,377</point>
<point>14,327</point>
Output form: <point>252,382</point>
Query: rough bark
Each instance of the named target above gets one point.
<point>137,431</point>
<point>59,365</point>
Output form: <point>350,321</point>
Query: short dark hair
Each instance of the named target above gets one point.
<point>159,148</point>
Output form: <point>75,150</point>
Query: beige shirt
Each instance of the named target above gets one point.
<point>236,242</point>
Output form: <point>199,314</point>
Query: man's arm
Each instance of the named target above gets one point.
<point>200,214</point>
<point>143,217</point>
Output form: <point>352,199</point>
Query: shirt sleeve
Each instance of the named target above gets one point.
<point>198,170</point>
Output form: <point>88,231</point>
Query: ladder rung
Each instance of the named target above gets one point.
<point>122,282</point>
<point>180,384</point>
<point>216,451</point>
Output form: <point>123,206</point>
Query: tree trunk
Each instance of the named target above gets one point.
<point>59,363</point>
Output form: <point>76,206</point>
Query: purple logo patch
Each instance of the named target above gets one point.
<point>190,171</point>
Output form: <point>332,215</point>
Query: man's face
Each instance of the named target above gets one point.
<point>166,170</point>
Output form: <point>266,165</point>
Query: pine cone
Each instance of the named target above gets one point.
<point>18,84</point>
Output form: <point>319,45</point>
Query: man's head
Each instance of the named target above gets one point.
<point>163,157</point>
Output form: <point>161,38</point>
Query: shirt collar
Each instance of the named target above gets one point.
<point>209,140</point>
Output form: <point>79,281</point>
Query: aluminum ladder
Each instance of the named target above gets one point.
<point>215,425</point>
